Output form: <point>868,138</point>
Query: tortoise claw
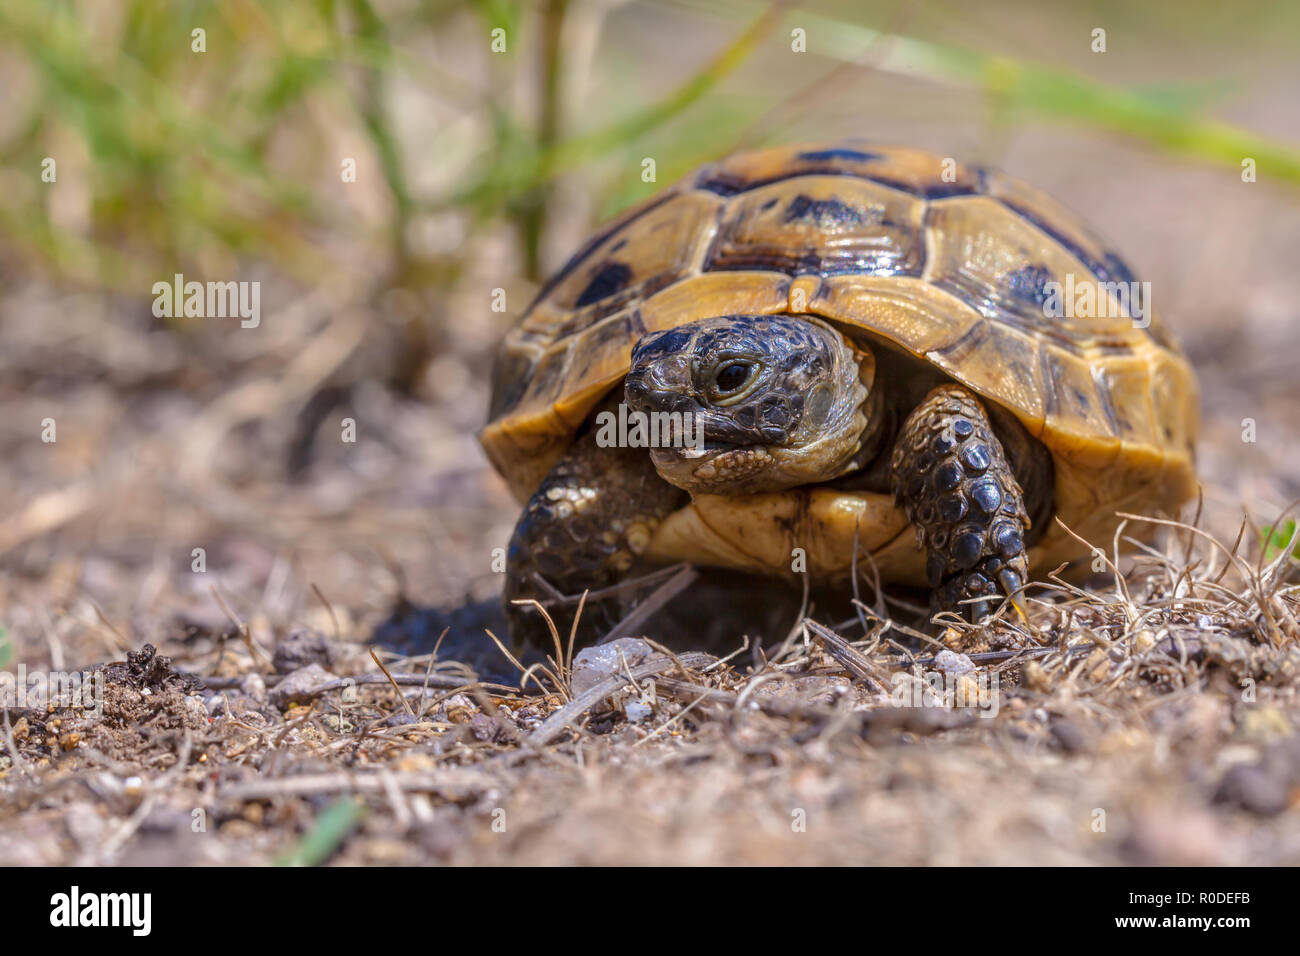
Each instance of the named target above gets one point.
<point>1012,587</point>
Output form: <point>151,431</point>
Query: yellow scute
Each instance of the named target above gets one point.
<point>762,532</point>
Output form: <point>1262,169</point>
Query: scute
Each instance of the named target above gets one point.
<point>950,262</point>
<point>998,262</point>
<point>821,225</point>
<point>1057,222</point>
<point>661,245</point>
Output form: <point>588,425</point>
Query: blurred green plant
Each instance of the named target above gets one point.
<point>1276,540</point>
<point>190,159</point>
<point>327,833</point>
<point>6,648</point>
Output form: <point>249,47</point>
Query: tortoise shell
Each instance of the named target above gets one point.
<point>950,263</point>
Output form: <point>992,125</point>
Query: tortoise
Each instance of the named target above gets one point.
<point>873,351</point>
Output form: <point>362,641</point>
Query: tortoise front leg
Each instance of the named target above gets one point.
<point>585,526</point>
<point>951,475</point>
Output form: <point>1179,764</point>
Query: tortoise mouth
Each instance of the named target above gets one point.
<point>694,454</point>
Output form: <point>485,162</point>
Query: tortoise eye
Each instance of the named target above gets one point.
<point>732,378</point>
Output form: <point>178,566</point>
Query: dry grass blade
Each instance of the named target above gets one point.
<point>18,760</point>
<point>572,711</point>
<point>396,689</point>
<point>657,599</point>
<point>526,673</point>
<point>847,655</point>
<point>241,628</point>
<point>459,781</point>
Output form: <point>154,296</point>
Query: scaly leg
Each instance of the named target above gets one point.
<point>584,527</point>
<point>950,473</point>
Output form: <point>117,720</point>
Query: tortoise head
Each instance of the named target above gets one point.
<point>768,401</point>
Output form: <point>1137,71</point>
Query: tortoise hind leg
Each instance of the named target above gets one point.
<point>584,527</point>
<point>951,475</point>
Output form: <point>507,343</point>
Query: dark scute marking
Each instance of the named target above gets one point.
<point>1048,365</point>
<point>942,190</point>
<point>1029,284</point>
<point>822,211</point>
<point>1109,268</point>
<point>936,189</point>
<point>865,247</point>
<point>723,185</point>
<point>618,330</point>
<point>1079,253</point>
<point>611,278</point>
<point>547,376</point>
<point>584,318</point>
<point>811,262</point>
<point>727,185</point>
<point>1102,381</point>
<point>1000,305</point>
<point>509,379</point>
<point>854,155</point>
<point>1116,270</point>
<point>899,184</point>
<point>970,340</point>
<point>594,243</point>
<point>1014,301</point>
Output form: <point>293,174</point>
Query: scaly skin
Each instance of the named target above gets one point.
<point>951,475</point>
<point>584,528</point>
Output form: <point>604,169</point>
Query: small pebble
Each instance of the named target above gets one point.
<point>253,686</point>
<point>1255,788</point>
<point>1069,735</point>
<point>636,711</point>
<point>591,665</point>
<point>337,724</point>
<point>294,688</point>
<point>302,647</point>
<point>951,662</point>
